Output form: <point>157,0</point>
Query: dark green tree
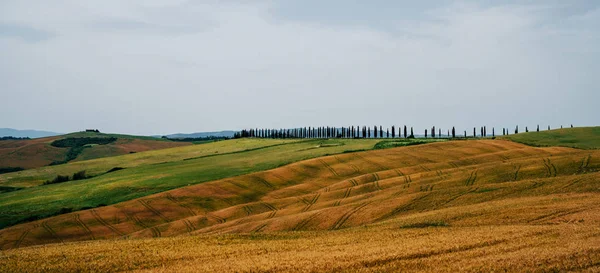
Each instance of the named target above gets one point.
<point>453,132</point>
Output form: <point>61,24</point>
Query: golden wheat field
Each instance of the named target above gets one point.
<point>480,205</point>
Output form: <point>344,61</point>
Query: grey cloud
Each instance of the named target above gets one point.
<point>23,32</point>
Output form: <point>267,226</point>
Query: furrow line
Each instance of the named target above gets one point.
<point>153,210</point>
<point>104,223</point>
<point>342,220</point>
<point>21,238</point>
<point>51,231</point>
<point>86,229</point>
<point>185,206</point>
<point>328,167</point>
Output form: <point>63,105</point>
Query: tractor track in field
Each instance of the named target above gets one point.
<point>312,202</point>
<point>353,182</point>
<point>185,206</point>
<point>188,225</point>
<point>133,219</point>
<point>104,223</point>
<point>153,210</point>
<point>376,182</point>
<point>558,214</point>
<point>51,231</point>
<point>259,228</point>
<point>346,195</point>
<point>219,219</point>
<point>456,196</point>
<point>342,220</point>
<point>155,232</point>
<point>247,210</point>
<point>265,183</point>
<point>272,208</point>
<point>329,167</point>
<point>86,229</point>
<point>585,162</point>
<point>516,176</point>
<point>572,183</point>
<point>305,221</point>
<point>472,178</point>
<point>354,167</point>
<point>21,238</point>
<point>403,207</point>
<point>400,173</point>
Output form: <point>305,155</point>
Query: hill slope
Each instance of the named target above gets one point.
<point>34,153</point>
<point>582,138</point>
<point>457,184</point>
<point>156,171</point>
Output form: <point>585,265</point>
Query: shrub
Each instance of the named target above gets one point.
<point>57,179</point>
<point>79,175</point>
<point>115,169</point>
<point>10,169</point>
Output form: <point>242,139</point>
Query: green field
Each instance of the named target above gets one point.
<point>581,138</point>
<point>156,171</point>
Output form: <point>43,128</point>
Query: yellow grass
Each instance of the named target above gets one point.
<point>454,206</point>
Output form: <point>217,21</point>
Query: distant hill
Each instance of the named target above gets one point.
<point>26,133</point>
<point>202,134</point>
<point>39,152</point>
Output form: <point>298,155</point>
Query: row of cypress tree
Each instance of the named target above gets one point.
<point>364,132</point>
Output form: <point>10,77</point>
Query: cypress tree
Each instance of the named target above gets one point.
<point>380,131</point>
<point>538,127</point>
<point>493,132</point>
<point>405,136</point>
<point>393,131</point>
<point>474,135</point>
<point>465,133</point>
<point>369,133</point>
<point>411,132</point>
<point>548,127</point>
<point>425,133</point>
<point>526,129</point>
<point>374,131</point>
<point>517,129</point>
<point>440,132</point>
<point>433,131</point>
<point>453,132</point>
<point>388,133</point>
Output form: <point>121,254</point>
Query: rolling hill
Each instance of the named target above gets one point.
<point>475,205</point>
<point>39,152</point>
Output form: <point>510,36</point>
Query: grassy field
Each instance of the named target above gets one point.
<point>581,138</point>
<point>484,205</point>
<point>153,172</point>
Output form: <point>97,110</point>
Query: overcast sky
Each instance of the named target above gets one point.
<point>166,66</point>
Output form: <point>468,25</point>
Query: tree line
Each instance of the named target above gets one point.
<point>369,132</point>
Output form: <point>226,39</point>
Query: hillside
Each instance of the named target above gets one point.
<point>35,153</point>
<point>481,205</point>
<point>158,171</point>
<point>581,138</point>
<point>451,184</point>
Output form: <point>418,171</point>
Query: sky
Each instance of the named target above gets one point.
<point>166,66</point>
